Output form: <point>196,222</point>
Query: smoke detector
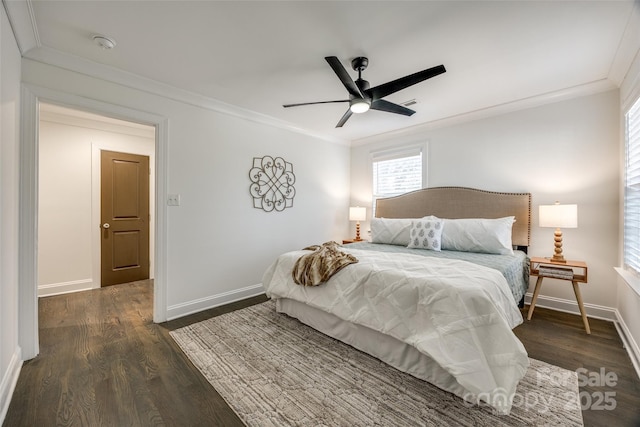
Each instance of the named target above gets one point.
<point>104,42</point>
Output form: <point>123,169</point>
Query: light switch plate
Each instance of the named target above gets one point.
<point>173,200</point>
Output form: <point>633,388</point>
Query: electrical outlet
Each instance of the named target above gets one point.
<point>173,200</point>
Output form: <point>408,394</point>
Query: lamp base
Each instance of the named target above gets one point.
<point>557,242</point>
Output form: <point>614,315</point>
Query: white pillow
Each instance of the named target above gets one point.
<point>392,231</point>
<point>426,233</point>
<point>492,236</point>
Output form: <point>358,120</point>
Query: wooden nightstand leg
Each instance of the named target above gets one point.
<point>536,291</point>
<point>585,320</point>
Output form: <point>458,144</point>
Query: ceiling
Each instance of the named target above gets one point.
<point>260,55</point>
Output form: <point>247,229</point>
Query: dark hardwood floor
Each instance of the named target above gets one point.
<point>609,386</point>
<point>103,362</point>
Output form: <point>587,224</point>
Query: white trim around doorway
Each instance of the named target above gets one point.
<point>28,234</point>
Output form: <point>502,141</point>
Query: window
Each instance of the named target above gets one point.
<point>396,172</point>
<point>632,190</point>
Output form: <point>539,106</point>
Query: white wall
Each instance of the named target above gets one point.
<point>69,194</point>
<point>218,244</point>
<point>628,306</point>
<point>566,151</point>
<point>10,354</point>
<point>628,288</point>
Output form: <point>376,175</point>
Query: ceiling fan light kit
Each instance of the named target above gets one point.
<point>362,97</point>
<point>359,106</point>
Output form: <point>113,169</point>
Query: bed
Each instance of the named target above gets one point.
<point>445,316</point>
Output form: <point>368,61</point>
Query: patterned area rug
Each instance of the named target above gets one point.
<point>275,371</point>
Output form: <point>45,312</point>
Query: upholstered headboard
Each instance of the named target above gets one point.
<point>461,202</point>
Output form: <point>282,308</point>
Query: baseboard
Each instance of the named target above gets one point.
<point>9,381</point>
<point>628,342</point>
<point>64,287</point>
<point>195,306</point>
<point>569,306</point>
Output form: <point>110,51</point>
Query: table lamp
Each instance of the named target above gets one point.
<point>558,216</point>
<point>357,214</point>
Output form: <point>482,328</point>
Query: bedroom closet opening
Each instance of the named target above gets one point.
<point>88,239</point>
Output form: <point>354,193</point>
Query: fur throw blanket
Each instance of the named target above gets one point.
<point>318,266</point>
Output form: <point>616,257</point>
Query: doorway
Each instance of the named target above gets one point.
<point>31,98</point>
<point>70,237</point>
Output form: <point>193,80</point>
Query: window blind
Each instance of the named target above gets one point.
<point>396,172</point>
<point>632,190</point>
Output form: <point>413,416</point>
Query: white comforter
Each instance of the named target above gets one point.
<point>458,313</point>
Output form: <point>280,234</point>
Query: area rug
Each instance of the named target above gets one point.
<point>273,370</point>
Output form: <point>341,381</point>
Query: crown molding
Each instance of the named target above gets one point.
<point>494,110</point>
<point>56,58</point>
<point>23,24</point>
<point>92,69</point>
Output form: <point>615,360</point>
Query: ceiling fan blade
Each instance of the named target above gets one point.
<point>344,77</point>
<point>403,82</point>
<point>312,103</point>
<point>390,107</point>
<point>344,118</point>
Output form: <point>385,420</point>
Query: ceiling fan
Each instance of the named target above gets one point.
<point>362,97</point>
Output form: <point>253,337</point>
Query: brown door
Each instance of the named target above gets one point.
<point>125,217</point>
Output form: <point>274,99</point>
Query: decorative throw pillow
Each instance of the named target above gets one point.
<point>391,231</point>
<point>426,233</point>
<point>492,236</point>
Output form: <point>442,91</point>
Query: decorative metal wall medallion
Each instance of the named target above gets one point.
<point>272,183</point>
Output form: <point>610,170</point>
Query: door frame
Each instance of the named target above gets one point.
<point>31,96</point>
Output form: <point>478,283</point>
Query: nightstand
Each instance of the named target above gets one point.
<point>347,241</point>
<point>572,271</point>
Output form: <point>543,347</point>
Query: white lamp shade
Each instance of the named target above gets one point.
<point>558,216</point>
<point>357,213</point>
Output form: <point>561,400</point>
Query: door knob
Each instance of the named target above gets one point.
<point>106,225</point>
